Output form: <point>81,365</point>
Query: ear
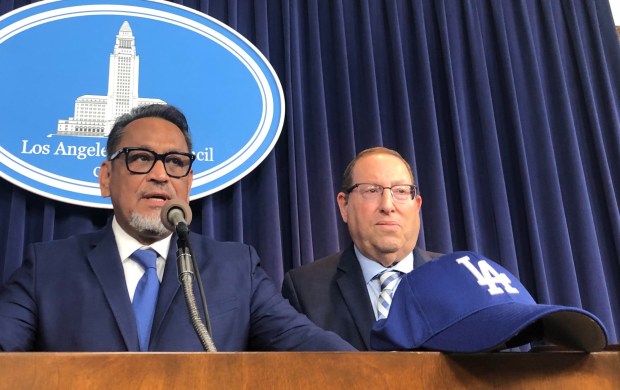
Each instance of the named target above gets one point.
<point>342,205</point>
<point>190,179</point>
<point>418,202</point>
<point>104,178</point>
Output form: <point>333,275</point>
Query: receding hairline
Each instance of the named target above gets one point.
<point>164,112</point>
<point>347,179</point>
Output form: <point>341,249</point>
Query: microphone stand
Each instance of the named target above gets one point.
<point>186,266</point>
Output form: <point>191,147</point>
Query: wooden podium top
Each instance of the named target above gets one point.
<point>310,370</point>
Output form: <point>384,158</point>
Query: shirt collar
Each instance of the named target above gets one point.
<point>127,245</point>
<point>370,268</point>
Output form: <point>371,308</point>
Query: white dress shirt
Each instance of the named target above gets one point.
<point>370,268</point>
<point>127,245</point>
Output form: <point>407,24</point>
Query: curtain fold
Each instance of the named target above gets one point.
<point>508,112</point>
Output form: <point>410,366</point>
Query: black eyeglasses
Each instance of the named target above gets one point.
<point>141,161</point>
<point>400,192</point>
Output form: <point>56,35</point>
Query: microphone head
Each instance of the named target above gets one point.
<point>169,209</point>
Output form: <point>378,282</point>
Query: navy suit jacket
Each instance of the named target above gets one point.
<point>333,294</point>
<point>71,295</point>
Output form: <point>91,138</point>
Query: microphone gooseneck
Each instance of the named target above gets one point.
<point>176,215</point>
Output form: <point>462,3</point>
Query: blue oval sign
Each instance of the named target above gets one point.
<point>69,68</point>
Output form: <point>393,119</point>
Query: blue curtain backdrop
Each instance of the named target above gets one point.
<point>508,112</point>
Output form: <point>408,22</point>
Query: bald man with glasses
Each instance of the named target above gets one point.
<point>348,291</point>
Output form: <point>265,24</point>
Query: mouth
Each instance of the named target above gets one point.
<point>388,224</point>
<point>156,198</point>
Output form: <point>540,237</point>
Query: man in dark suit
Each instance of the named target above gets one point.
<point>380,204</point>
<point>76,294</point>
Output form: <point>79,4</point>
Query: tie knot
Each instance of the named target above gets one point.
<point>146,257</point>
<point>388,278</point>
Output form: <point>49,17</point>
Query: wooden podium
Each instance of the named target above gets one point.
<point>310,370</point>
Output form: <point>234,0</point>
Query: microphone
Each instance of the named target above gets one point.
<point>174,213</point>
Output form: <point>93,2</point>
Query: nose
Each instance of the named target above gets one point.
<point>158,172</point>
<point>387,201</point>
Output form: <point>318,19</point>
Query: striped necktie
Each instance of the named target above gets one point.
<point>145,296</point>
<point>389,280</point>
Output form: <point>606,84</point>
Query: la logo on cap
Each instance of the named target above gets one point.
<point>488,276</point>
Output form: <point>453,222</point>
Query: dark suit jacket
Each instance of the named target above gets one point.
<point>71,295</point>
<point>332,293</point>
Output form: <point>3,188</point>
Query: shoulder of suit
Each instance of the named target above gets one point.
<point>206,245</point>
<point>76,239</point>
<point>428,255</point>
<point>327,263</point>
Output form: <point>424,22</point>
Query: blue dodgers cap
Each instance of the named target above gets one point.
<point>464,302</point>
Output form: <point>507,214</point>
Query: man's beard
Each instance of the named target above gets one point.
<point>151,226</point>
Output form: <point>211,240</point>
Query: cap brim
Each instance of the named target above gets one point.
<point>491,328</point>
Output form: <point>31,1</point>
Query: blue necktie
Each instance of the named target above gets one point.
<point>145,296</point>
<point>388,280</point>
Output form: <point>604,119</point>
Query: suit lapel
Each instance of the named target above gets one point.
<point>350,280</point>
<point>108,269</point>
<point>169,287</point>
